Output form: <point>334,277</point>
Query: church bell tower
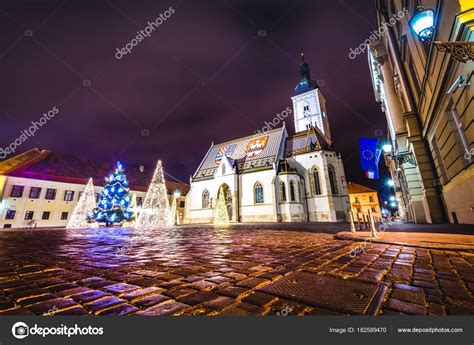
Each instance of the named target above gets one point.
<point>309,105</point>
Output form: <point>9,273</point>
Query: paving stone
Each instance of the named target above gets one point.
<point>253,283</point>
<point>405,307</point>
<point>121,288</point>
<point>168,308</point>
<point>89,296</point>
<point>103,303</point>
<point>142,293</point>
<point>123,309</point>
<point>52,305</point>
<point>220,303</point>
<point>198,297</point>
<point>233,291</point>
<point>150,300</point>
<point>259,298</point>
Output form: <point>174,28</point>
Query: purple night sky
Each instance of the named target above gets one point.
<point>204,75</point>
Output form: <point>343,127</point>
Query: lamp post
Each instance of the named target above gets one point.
<point>422,23</point>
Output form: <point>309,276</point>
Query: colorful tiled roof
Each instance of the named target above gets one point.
<point>58,167</point>
<point>304,142</point>
<point>258,151</point>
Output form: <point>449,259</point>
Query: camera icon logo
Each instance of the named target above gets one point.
<point>20,330</point>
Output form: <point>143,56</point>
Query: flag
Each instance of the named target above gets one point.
<point>369,157</point>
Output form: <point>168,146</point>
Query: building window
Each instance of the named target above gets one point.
<point>50,194</point>
<point>359,210</point>
<point>371,198</point>
<point>64,215</point>
<point>306,110</point>
<point>97,198</point>
<point>357,200</point>
<point>292,191</point>
<point>46,215</point>
<point>258,190</point>
<point>10,214</point>
<point>182,203</point>
<point>68,195</point>
<point>205,199</point>
<point>29,215</point>
<point>373,209</point>
<point>17,191</point>
<point>35,192</point>
<point>317,185</point>
<point>139,200</point>
<point>332,179</point>
<point>283,191</point>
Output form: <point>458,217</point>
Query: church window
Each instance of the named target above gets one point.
<point>205,199</point>
<point>317,186</point>
<point>258,189</point>
<point>292,191</point>
<point>332,179</point>
<point>283,191</point>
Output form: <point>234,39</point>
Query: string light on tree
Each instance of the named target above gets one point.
<point>156,210</point>
<point>222,216</point>
<point>114,202</point>
<point>83,209</point>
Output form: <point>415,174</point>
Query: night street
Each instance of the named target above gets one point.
<point>221,271</point>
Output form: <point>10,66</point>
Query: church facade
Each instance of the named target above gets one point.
<point>274,176</point>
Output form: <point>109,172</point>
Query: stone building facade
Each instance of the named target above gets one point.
<point>431,129</point>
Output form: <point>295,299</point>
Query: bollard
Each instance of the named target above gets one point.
<point>372,225</point>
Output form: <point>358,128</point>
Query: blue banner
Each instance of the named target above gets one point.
<point>369,157</point>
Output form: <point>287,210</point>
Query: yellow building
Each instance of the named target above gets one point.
<point>363,200</point>
<point>427,98</point>
<point>42,188</point>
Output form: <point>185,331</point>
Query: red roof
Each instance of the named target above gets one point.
<point>355,188</point>
<point>58,167</point>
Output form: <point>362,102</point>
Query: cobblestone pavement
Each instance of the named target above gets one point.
<point>215,271</point>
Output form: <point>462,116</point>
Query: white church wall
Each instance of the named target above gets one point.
<point>249,210</point>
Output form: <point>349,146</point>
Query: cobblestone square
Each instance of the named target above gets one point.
<point>217,271</point>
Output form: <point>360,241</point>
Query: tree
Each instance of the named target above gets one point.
<point>155,211</point>
<point>114,203</point>
<point>85,206</point>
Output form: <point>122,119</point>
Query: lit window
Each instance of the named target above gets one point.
<point>29,215</point>
<point>205,199</point>
<point>35,192</point>
<point>50,194</point>
<point>258,190</point>
<point>17,191</point>
<point>68,195</point>
<point>10,214</point>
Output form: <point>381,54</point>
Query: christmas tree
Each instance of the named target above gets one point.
<point>114,203</point>
<point>83,209</point>
<point>222,216</point>
<point>155,211</point>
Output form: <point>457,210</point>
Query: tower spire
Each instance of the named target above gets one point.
<point>306,83</point>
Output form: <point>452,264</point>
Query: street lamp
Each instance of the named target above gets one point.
<point>392,198</point>
<point>423,24</point>
<point>177,193</point>
<point>390,183</point>
<point>387,148</point>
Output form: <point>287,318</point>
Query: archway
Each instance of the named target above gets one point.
<point>224,188</point>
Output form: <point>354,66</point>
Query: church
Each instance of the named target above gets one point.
<point>275,176</point>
